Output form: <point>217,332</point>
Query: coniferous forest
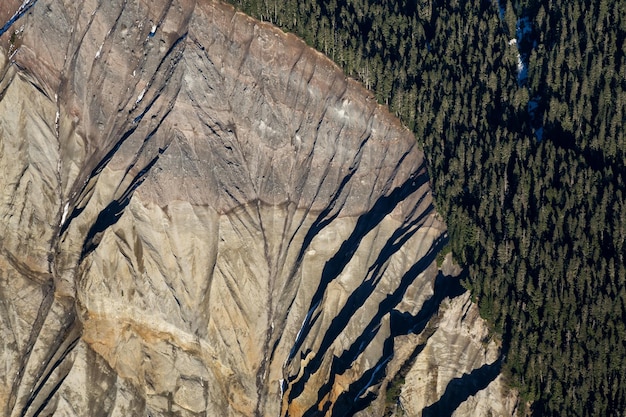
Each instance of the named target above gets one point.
<point>520,107</point>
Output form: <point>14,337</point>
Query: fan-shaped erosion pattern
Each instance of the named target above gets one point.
<point>203,216</point>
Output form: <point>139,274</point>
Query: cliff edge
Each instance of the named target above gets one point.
<point>203,216</point>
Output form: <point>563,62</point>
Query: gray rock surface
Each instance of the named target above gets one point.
<point>203,216</point>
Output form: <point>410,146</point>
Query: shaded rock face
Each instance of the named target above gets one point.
<point>200,216</point>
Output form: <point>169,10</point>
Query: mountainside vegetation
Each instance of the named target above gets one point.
<point>520,109</point>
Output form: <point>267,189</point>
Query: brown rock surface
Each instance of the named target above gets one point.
<point>202,216</point>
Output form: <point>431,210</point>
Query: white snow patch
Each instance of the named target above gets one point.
<point>520,65</point>
<point>64,216</point>
<point>374,374</point>
<point>24,5</point>
<point>143,92</point>
<point>56,123</point>
<point>523,28</point>
<point>21,10</point>
<point>301,327</point>
<point>305,321</point>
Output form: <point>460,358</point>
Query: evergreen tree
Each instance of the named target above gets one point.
<point>528,170</point>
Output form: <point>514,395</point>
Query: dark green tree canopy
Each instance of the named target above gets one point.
<point>520,107</point>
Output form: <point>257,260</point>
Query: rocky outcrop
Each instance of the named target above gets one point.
<point>449,367</point>
<point>458,371</point>
<point>202,216</point>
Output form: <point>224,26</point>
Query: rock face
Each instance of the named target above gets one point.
<point>202,216</point>
<point>457,372</point>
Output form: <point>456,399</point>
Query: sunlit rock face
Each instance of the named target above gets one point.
<point>203,216</point>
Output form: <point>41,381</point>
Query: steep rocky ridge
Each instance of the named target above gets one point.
<point>202,216</point>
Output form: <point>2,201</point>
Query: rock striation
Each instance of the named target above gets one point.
<point>203,216</point>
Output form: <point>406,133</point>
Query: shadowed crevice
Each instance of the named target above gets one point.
<point>445,287</point>
<point>356,399</point>
<point>172,57</point>
<point>352,398</point>
<point>112,212</point>
<point>19,13</point>
<point>42,313</point>
<point>43,387</point>
<point>460,389</point>
<point>387,306</point>
<point>96,171</point>
<point>365,223</point>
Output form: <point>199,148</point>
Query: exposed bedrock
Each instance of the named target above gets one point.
<point>203,216</point>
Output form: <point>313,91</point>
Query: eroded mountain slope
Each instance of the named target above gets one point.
<point>202,216</point>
